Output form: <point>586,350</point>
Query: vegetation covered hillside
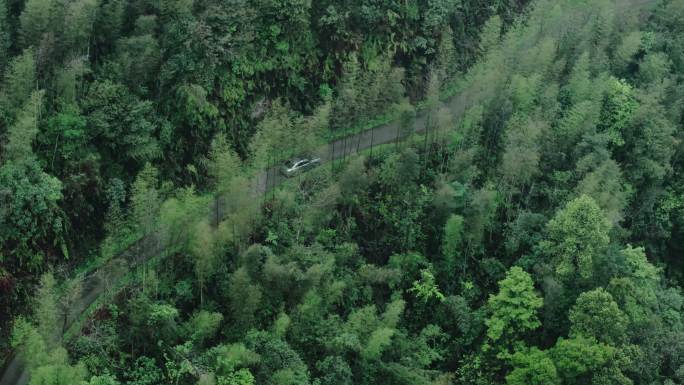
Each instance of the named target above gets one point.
<point>527,234</point>
<point>92,90</point>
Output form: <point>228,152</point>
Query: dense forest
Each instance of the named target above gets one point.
<point>523,227</point>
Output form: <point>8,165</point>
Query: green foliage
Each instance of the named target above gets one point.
<point>618,108</point>
<point>203,326</point>
<point>57,375</point>
<point>36,20</point>
<point>596,315</point>
<point>168,120</point>
<point>245,299</point>
<point>579,357</point>
<point>5,40</point>
<point>532,367</point>
<point>513,310</point>
<point>378,340</point>
<point>227,359</point>
<point>32,228</point>
<point>606,185</point>
<point>426,288</point>
<point>121,125</point>
<point>453,241</point>
<point>577,237</point>
<point>23,132</point>
<point>240,377</point>
<point>335,371</point>
<point>203,251</point>
<point>18,84</point>
<point>629,45</point>
<point>145,199</point>
<point>39,344</point>
<point>105,379</point>
<point>520,161</point>
<point>143,372</point>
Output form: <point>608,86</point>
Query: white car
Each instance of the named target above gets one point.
<point>295,166</point>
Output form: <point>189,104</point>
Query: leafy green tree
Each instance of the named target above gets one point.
<point>279,363</point>
<point>491,33</point>
<point>628,47</point>
<point>654,67</point>
<point>649,145</point>
<point>22,133</point>
<point>79,20</point>
<point>204,251</point>
<point>447,57</point>
<point>480,217</point>
<point>47,311</point>
<point>145,200</point>
<point>606,185</point>
<point>380,338</point>
<point>161,320</point>
<point>618,108</point>
<point>29,343</point>
<point>39,345</point>
<point>224,167</point>
<point>33,226</point>
<point>240,377</point>
<point>520,161</point>
<point>105,379</point>
<point>272,137</point>
<point>114,218</point>
<point>576,359</point>
<point>596,315</point>
<point>224,163</point>
<point>579,87</point>
<point>67,139</point>
<point>139,56</point>
<point>513,310</point>
<point>452,245</point>
<point>426,288</point>
<point>18,84</point>
<point>226,359</point>
<point>60,374</point>
<point>184,208</point>
<point>431,346</point>
<point>245,299</point>
<point>636,290</point>
<point>121,125</point>
<point>144,371</point>
<point>203,326</point>
<point>577,238</point>
<point>532,367</point>
<point>334,371</point>
<point>37,19</point>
